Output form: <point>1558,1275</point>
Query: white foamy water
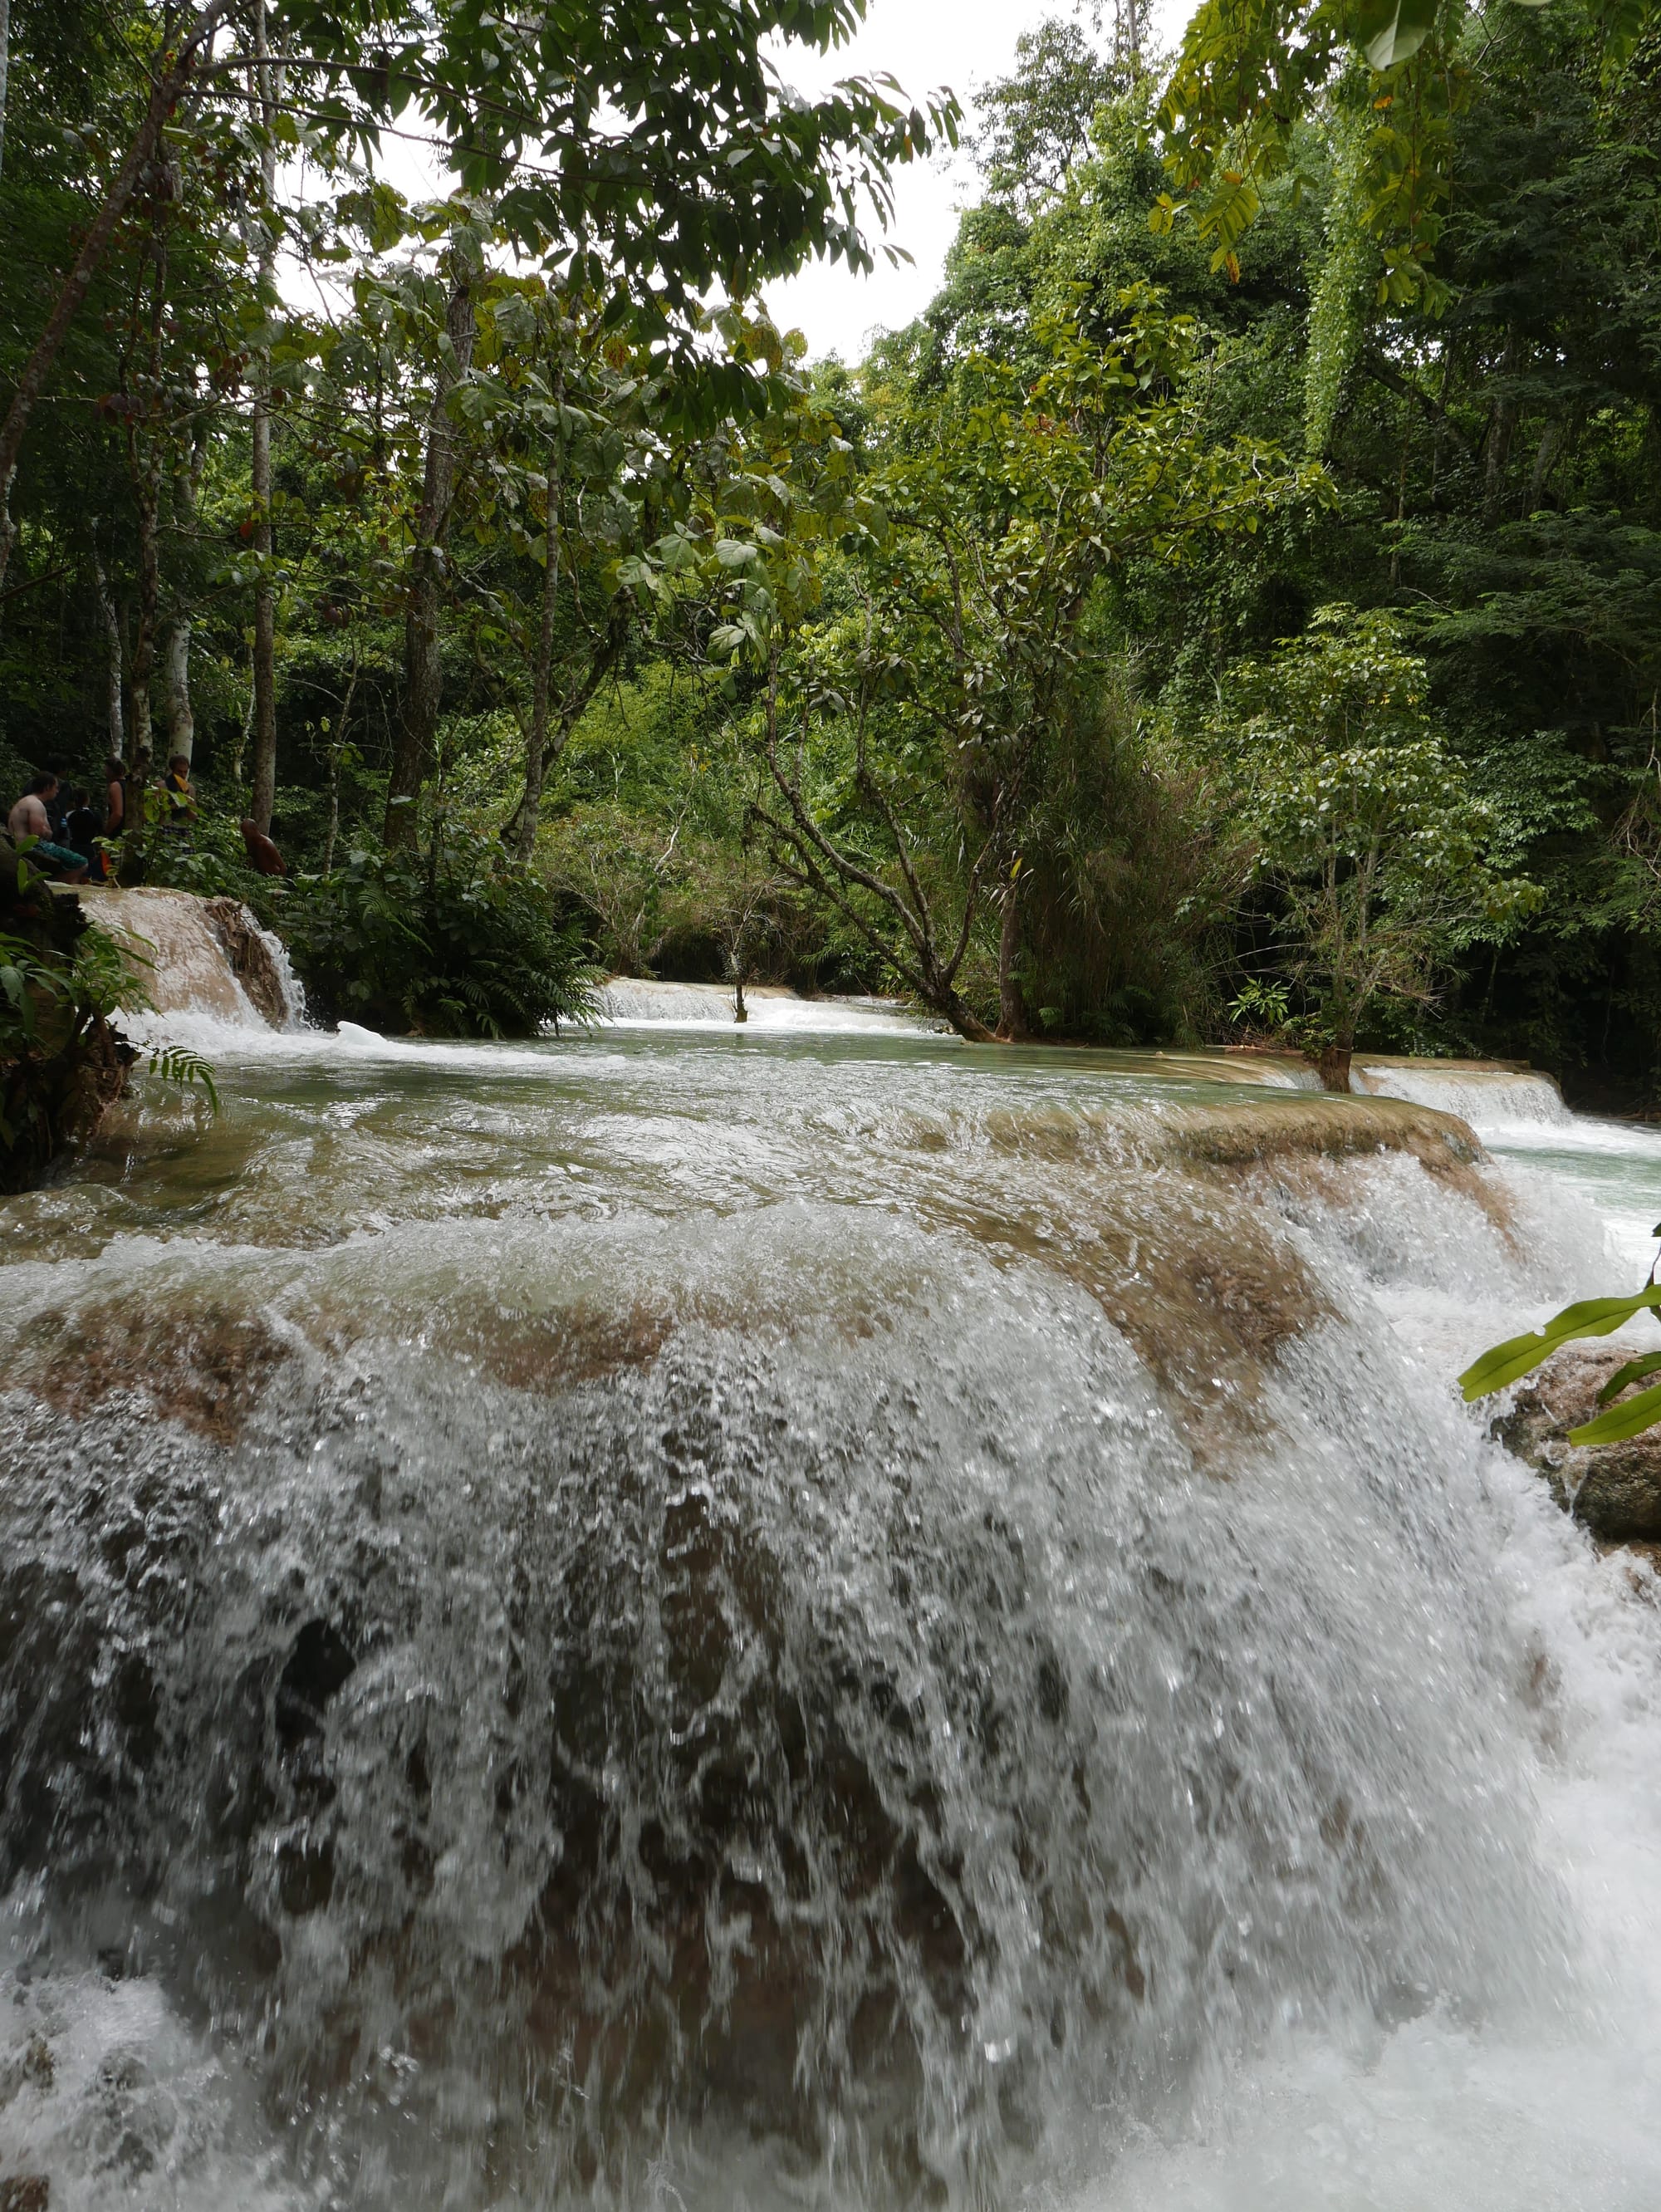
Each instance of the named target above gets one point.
<point>1489,1098</point>
<point>633,1001</point>
<point>684,1617</point>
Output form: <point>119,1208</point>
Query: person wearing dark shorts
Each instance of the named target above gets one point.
<point>29,819</point>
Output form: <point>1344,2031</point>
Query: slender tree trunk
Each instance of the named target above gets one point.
<point>263,797</point>
<point>1502,427</point>
<point>176,653</point>
<point>243,736</point>
<point>339,736</point>
<point>180,65</point>
<point>1011,1004</point>
<point>106,608</point>
<point>1545,460</point>
<point>535,743</point>
<point>176,689</point>
<point>423,668</point>
<point>149,592</point>
<point>5,72</point>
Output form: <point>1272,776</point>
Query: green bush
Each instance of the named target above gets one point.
<point>468,948</point>
<point>62,1060</point>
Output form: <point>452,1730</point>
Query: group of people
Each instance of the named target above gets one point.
<point>66,834</point>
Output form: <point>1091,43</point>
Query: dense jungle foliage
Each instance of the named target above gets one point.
<point>1231,610</point>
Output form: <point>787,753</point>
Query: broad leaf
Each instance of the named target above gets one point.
<point>1506,1362</point>
<point>1634,1372</point>
<point>1629,1419</point>
<point>1392,31</point>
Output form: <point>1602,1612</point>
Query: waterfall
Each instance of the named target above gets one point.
<point>205,958</point>
<point>1487,1096</point>
<point>631,999</point>
<point>645,1626</point>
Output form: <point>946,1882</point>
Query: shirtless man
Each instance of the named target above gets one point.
<point>29,818</point>
<point>262,854</point>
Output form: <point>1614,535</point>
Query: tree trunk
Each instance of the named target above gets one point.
<point>969,1026</point>
<point>5,73</point>
<point>1012,1026</point>
<point>1501,428</point>
<point>176,686</point>
<point>338,735</point>
<point>149,592</point>
<point>176,653</point>
<point>113,661</point>
<point>1545,460</point>
<point>262,798</point>
<point>423,669</point>
<point>165,95</point>
<point>1334,1064</point>
<point>535,743</point>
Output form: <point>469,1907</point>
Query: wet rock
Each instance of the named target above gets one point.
<point>1614,1490</point>
<point>28,2192</point>
<point>31,2068</point>
<point>249,957</point>
<point>205,1364</point>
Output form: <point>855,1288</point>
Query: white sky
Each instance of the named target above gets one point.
<point>925,44</point>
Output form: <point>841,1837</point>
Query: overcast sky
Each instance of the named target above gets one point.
<point>925,44</point>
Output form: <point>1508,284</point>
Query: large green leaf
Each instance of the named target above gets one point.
<point>1635,1370</point>
<point>1627,1419</point>
<point>1506,1362</point>
<point>1391,31</point>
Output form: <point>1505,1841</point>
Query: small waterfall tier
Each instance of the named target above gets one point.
<point>1488,1094</point>
<point>628,999</point>
<point>195,955</point>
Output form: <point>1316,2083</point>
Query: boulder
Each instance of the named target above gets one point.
<point>1614,1489</point>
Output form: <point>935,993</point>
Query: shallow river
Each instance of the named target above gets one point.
<point>813,1617</point>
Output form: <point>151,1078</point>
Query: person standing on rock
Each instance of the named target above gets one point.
<point>29,818</point>
<point>178,800</point>
<point>263,856</point>
<point>115,796</point>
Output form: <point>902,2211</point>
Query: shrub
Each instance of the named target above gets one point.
<point>465,948</point>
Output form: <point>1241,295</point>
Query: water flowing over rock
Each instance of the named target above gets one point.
<point>1483,1093</point>
<point>653,1619</point>
<point>202,957</point>
<point>259,962</point>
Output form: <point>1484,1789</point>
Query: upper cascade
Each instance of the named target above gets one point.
<point>1488,1094</point>
<point>202,956</point>
<point>630,999</point>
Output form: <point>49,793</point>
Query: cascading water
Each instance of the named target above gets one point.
<point>201,960</point>
<point>630,1001</point>
<point>1487,1097</point>
<point>708,1620</point>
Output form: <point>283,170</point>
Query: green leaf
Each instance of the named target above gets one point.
<point>1506,1362</point>
<point>1391,31</point>
<point>1629,1419</point>
<point>1634,1372</point>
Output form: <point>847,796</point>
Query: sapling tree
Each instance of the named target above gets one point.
<point>1378,850</point>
